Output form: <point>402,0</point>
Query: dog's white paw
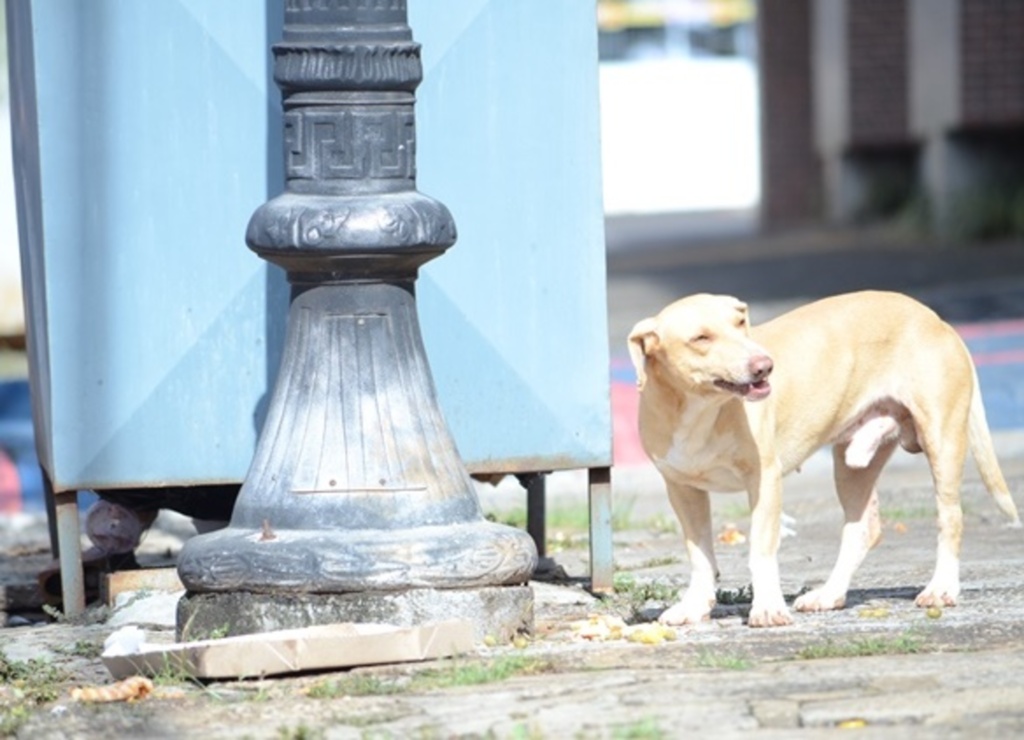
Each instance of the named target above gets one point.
<point>769,613</point>
<point>689,610</point>
<point>937,597</point>
<point>819,600</point>
<point>942,590</point>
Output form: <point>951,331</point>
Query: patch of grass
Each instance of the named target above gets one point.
<point>644,729</point>
<point>510,517</point>
<point>302,732</point>
<point>567,527</point>
<point>568,518</point>
<point>734,511</point>
<point>35,682</point>
<point>82,649</point>
<point>94,614</point>
<point>423,732</point>
<point>261,694</point>
<point>523,731</point>
<point>908,513</point>
<point>12,718</point>
<point>622,513</point>
<point>722,661</point>
<point>626,583</point>
<point>454,674</point>
<point>632,595</point>
<point>473,673</point>
<point>663,524</point>
<point>357,684</point>
<point>174,673</point>
<point>220,632</point>
<point>904,644</point>
<point>368,720</point>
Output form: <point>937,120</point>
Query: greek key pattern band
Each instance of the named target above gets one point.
<point>350,144</point>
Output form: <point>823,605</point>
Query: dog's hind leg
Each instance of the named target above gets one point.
<point>693,508</point>
<point>862,529</point>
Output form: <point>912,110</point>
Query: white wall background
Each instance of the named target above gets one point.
<point>12,320</point>
<point>679,134</point>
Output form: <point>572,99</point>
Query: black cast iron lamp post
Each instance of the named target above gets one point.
<point>357,506</point>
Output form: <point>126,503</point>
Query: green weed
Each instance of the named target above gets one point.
<point>906,513</point>
<point>302,732</point>
<point>568,518</point>
<point>632,595</point>
<point>34,681</point>
<point>83,649</point>
<point>523,731</point>
<point>645,729</point>
<point>174,672</point>
<point>356,684</point>
<point>662,524</point>
<point>473,673</point>
<point>453,674</point>
<point>904,644</point>
<point>37,680</point>
<point>731,512</point>
<point>722,661</point>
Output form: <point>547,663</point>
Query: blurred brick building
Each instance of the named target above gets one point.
<point>870,104</point>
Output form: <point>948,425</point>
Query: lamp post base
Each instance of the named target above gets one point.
<point>499,612</point>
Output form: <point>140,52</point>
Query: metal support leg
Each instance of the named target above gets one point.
<point>72,578</point>
<point>51,513</point>
<point>536,510</point>
<point>600,492</point>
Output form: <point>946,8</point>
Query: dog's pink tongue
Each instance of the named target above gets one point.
<point>758,391</point>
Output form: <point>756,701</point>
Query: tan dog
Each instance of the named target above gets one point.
<point>862,372</point>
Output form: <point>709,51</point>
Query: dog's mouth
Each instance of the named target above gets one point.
<point>755,391</point>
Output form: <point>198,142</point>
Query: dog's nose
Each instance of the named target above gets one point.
<point>760,366</point>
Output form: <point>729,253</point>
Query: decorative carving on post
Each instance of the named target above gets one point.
<point>356,494</point>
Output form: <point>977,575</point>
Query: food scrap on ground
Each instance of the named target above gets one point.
<point>731,535</point>
<point>873,612</point>
<point>132,688</point>
<point>606,627</point>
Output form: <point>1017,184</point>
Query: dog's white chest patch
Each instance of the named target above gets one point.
<point>701,463</point>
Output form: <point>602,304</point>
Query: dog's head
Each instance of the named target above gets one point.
<point>701,344</point>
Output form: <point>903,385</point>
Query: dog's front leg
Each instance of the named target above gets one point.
<point>693,508</point>
<point>769,607</point>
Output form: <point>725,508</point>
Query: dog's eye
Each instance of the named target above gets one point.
<point>741,323</point>
<point>701,339</point>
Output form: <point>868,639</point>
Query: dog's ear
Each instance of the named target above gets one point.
<point>742,309</point>
<point>643,340</point>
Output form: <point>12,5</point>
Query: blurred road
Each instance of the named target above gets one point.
<point>654,260</point>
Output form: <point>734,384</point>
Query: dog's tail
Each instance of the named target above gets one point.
<point>980,440</point>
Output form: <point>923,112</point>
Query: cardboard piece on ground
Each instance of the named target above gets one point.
<point>292,651</point>
<point>143,579</point>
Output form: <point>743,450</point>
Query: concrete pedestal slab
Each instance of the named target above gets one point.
<point>500,612</point>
